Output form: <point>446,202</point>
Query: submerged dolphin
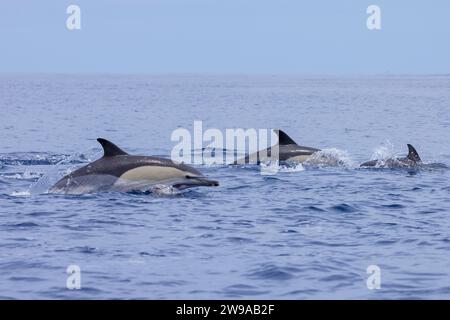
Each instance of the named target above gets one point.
<point>117,170</point>
<point>412,159</point>
<point>288,151</point>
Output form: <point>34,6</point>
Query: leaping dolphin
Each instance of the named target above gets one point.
<point>117,170</point>
<point>288,151</point>
<point>412,159</point>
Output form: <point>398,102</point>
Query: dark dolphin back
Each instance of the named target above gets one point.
<point>116,162</point>
<point>118,165</point>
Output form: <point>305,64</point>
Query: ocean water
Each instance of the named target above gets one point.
<point>307,232</point>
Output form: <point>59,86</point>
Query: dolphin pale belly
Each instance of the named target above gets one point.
<point>288,151</point>
<point>411,160</point>
<point>119,171</point>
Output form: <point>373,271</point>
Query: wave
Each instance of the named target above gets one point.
<point>26,175</point>
<point>41,159</point>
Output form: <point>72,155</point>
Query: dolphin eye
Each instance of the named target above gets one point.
<point>188,177</point>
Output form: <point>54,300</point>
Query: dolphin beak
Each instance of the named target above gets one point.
<point>206,182</point>
<point>196,181</point>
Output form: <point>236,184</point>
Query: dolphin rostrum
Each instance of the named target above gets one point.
<point>119,171</point>
<point>412,159</point>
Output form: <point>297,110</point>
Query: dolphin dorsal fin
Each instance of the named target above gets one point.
<point>412,154</point>
<point>283,138</point>
<point>110,149</point>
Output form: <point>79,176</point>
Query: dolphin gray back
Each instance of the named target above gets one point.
<point>116,162</point>
<point>287,149</point>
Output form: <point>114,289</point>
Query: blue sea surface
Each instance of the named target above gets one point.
<point>306,232</point>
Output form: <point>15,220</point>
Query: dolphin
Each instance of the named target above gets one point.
<point>411,160</point>
<point>119,171</point>
<point>288,151</point>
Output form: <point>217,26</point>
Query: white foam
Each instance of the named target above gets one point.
<point>384,152</point>
<point>163,190</point>
<point>331,157</point>
<point>26,175</point>
<point>56,172</point>
<point>298,167</point>
<point>21,193</point>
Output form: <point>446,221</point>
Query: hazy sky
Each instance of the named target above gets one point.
<point>225,36</point>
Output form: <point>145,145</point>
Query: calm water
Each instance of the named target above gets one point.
<point>307,232</point>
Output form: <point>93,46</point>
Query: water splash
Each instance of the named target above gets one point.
<point>26,175</point>
<point>38,159</point>
<point>41,169</point>
<point>55,172</point>
<point>20,194</point>
<point>331,157</point>
<point>269,168</point>
<point>384,152</point>
<point>296,167</point>
<point>164,190</point>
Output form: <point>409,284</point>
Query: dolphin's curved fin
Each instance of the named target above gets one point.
<point>412,154</point>
<point>283,138</point>
<point>110,149</point>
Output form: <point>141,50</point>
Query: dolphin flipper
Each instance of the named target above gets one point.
<point>110,149</point>
<point>413,155</point>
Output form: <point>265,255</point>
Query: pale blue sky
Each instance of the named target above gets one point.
<point>225,36</point>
